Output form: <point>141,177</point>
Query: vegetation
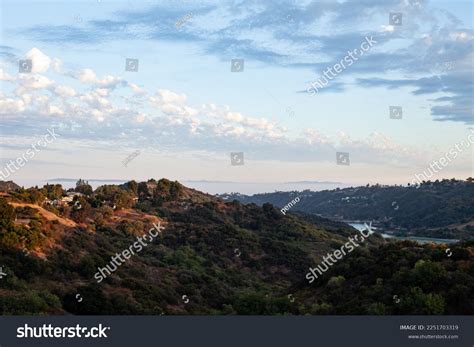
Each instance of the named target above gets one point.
<point>226,257</point>
<point>424,210</point>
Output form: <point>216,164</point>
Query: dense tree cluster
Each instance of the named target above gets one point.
<point>429,205</point>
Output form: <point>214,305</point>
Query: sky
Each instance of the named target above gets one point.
<point>181,110</point>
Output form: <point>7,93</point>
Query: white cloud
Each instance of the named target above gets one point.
<point>52,110</point>
<point>29,83</point>
<point>27,98</point>
<point>138,90</point>
<point>64,91</point>
<point>461,36</point>
<point>172,103</point>
<point>9,106</point>
<point>208,126</point>
<point>98,115</point>
<point>109,81</point>
<point>87,76</point>
<point>56,64</point>
<point>225,113</point>
<point>96,100</point>
<point>315,137</point>
<point>167,96</point>
<point>387,28</point>
<point>40,61</point>
<point>102,92</point>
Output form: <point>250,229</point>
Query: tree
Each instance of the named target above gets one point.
<point>419,303</point>
<point>81,209</point>
<point>336,281</point>
<point>142,189</point>
<point>34,195</point>
<point>376,308</point>
<point>53,191</point>
<point>83,187</point>
<point>132,186</point>
<point>123,199</point>
<point>175,190</point>
<point>7,214</point>
<point>427,274</point>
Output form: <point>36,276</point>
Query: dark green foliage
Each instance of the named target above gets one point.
<point>430,205</point>
<point>30,195</point>
<point>227,258</point>
<point>20,236</point>
<point>113,195</point>
<point>32,302</point>
<point>52,191</point>
<point>83,187</point>
<point>397,278</point>
<point>7,214</point>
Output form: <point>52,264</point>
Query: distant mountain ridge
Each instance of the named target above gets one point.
<point>432,205</point>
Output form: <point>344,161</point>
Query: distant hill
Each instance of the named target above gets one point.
<point>8,186</point>
<point>441,208</point>
<point>213,257</point>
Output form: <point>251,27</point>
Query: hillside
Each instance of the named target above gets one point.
<point>212,257</point>
<point>8,186</point>
<point>442,209</point>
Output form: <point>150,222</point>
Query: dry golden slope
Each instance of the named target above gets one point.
<point>46,214</point>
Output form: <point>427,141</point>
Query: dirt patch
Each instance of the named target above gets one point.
<point>50,216</point>
<point>128,213</point>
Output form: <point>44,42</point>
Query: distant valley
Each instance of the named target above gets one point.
<point>440,209</point>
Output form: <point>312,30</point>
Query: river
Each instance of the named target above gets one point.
<point>361,226</point>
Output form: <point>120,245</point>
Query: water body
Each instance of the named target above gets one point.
<point>361,226</point>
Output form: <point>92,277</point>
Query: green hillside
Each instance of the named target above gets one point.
<point>213,257</point>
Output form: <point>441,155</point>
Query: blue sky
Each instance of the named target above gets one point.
<point>185,111</point>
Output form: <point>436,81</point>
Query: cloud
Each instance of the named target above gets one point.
<point>136,89</point>
<point>90,77</point>
<point>225,113</point>
<point>457,106</point>
<point>172,103</point>
<point>64,91</point>
<point>28,83</point>
<point>167,96</point>
<point>6,52</point>
<point>10,106</point>
<point>310,35</point>
<point>91,113</point>
<point>40,61</point>
<point>87,75</point>
<point>387,28</point>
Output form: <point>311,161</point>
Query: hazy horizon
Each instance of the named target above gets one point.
<point>210,187</point>
<point>160,89</point>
